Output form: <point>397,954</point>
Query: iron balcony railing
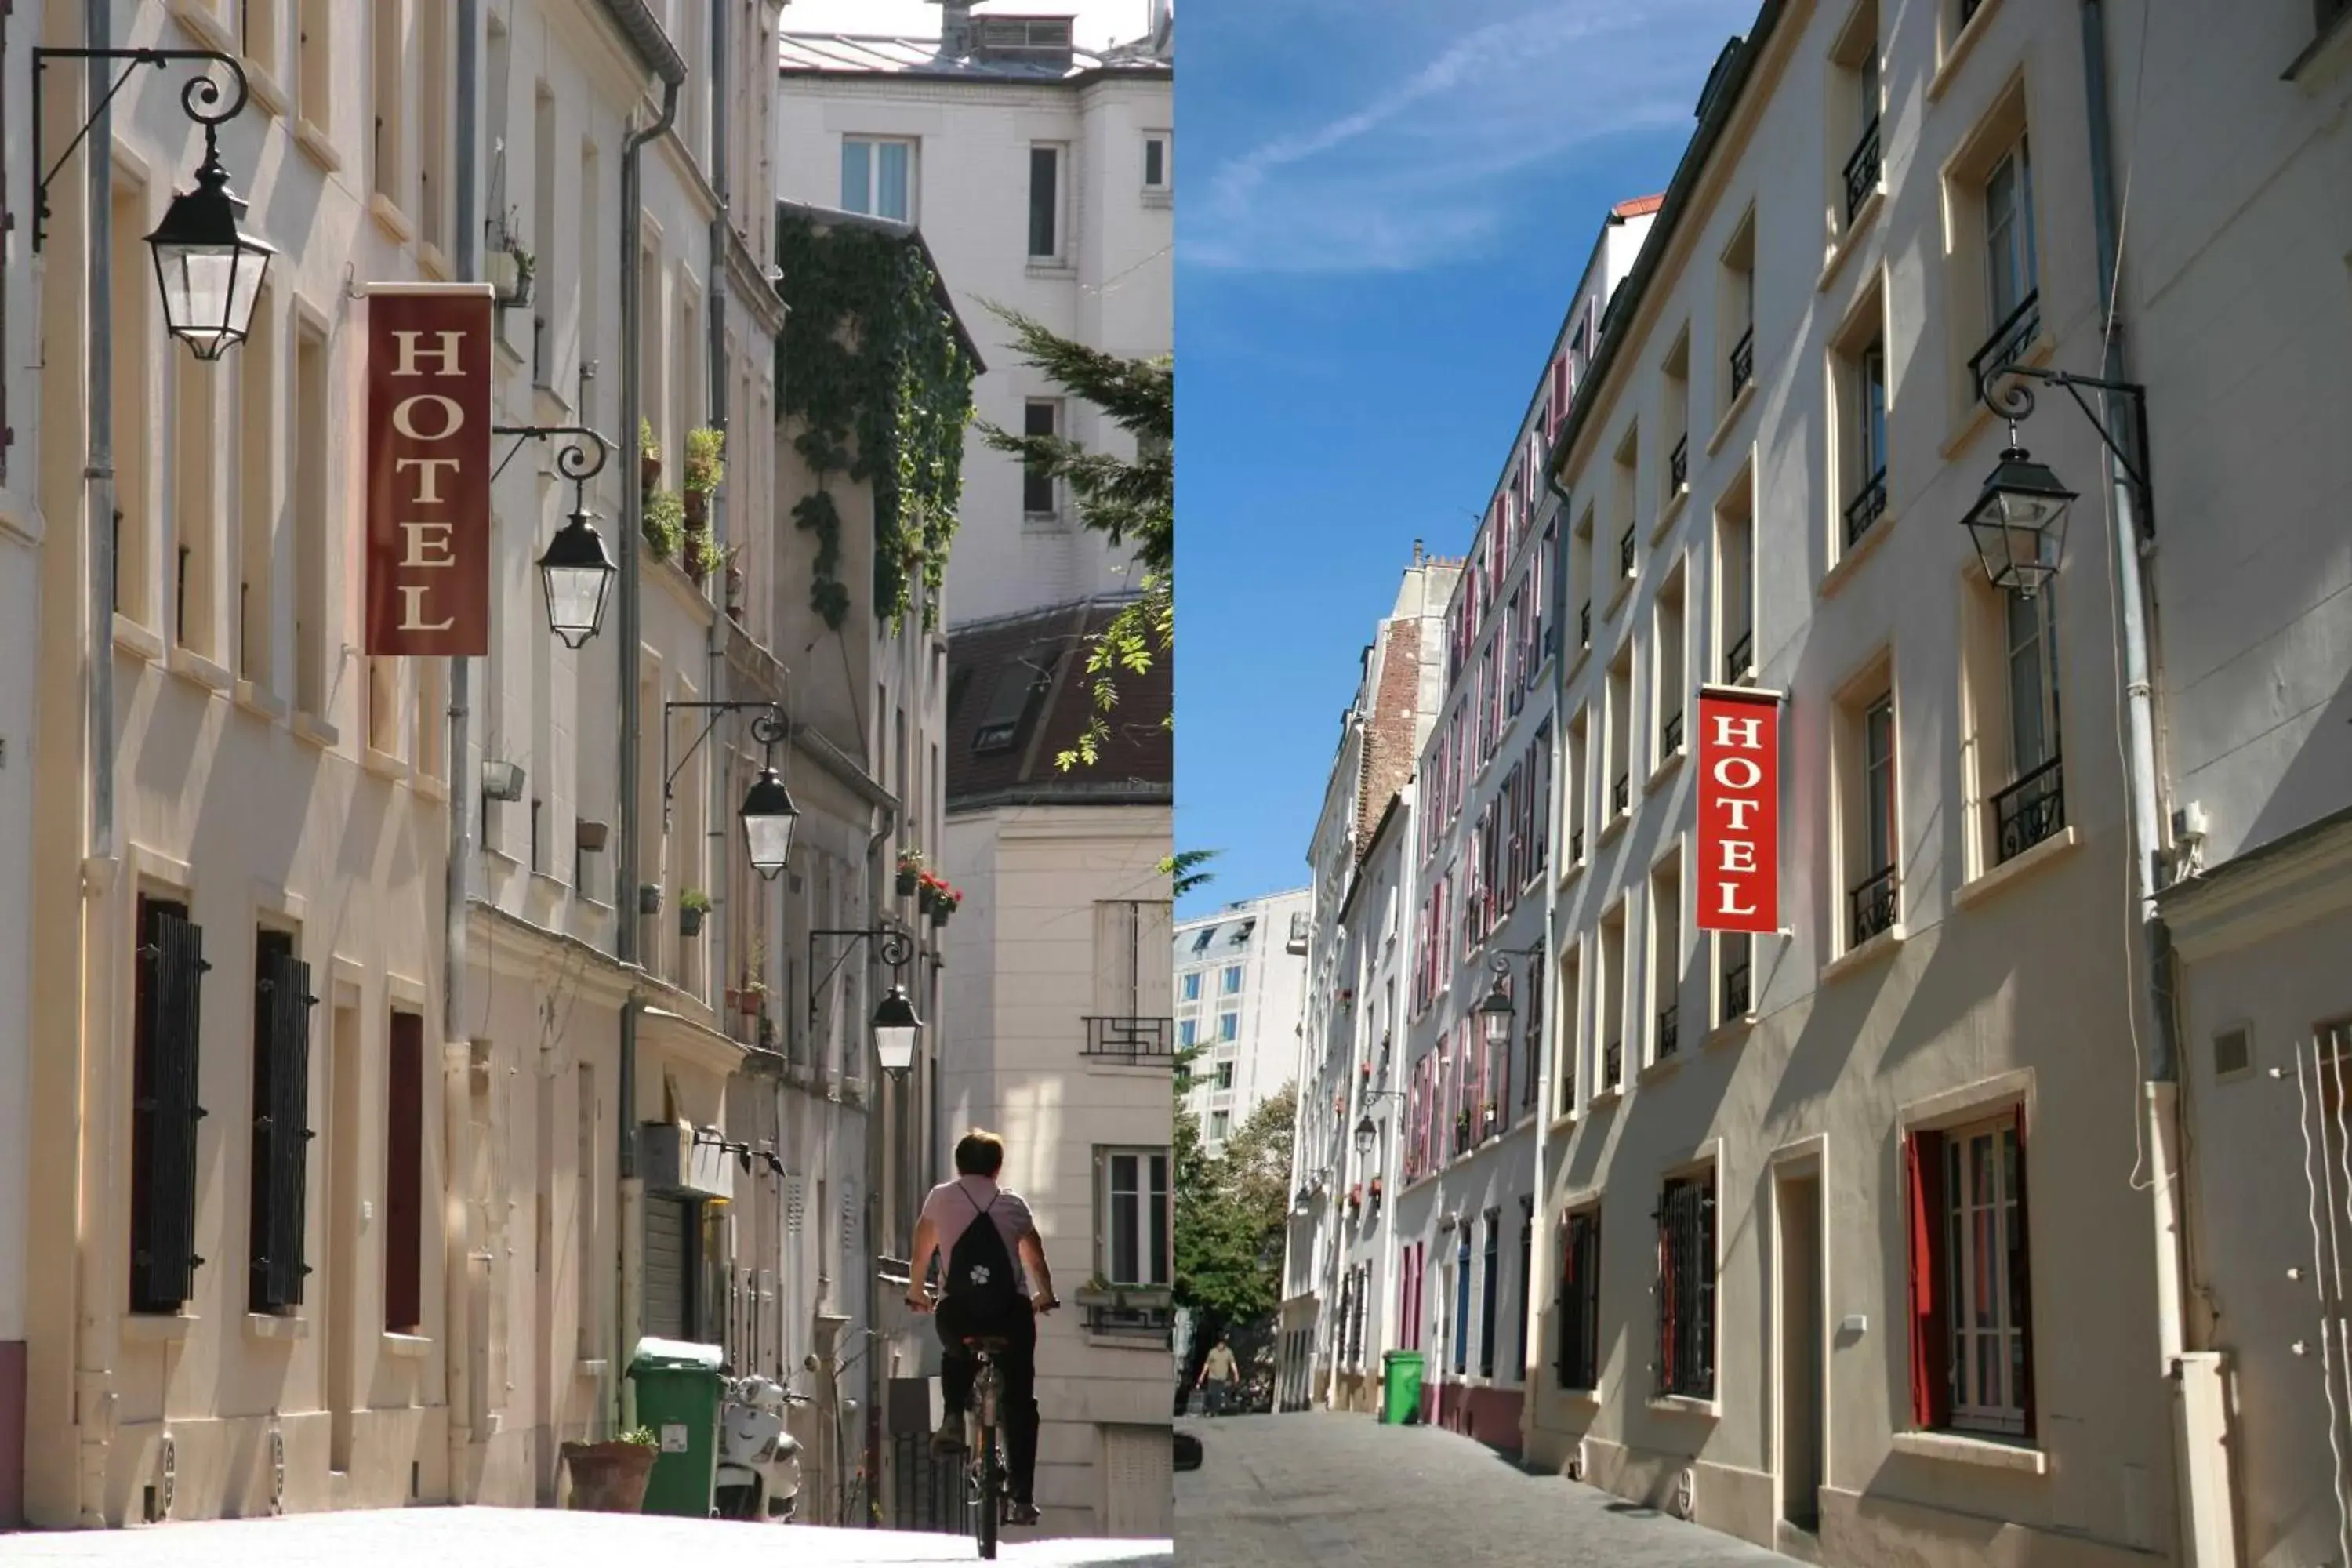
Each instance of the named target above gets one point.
<point>1670,735</point>
<point>1620,793</point>
<point>1743,362</point>
<point>1613,1067</point>
<point>1138,1040</point>
<point>1584,625</point>
<point>1669,1030</point>
<point>1741,662</point>
<point>1874,901</point>
<point>1678,466</point>
<point>1736,987</point>
<point>2029,811</point>
<point>1862,170</point>
<point>1866,507</point>
<point>1625,550</point>
<point>1575,846</point>
<point>1969,10</point>
<point>2009,341</point>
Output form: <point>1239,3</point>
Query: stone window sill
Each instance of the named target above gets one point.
<point>1862,957</point>
<point>1603,1099</point>
<point>1667,513</point>
<point>156,1327</point>
<point>1963,44</point>
<point>1850,240</point>
<point>384,765</point>
<point>1685,1405</point>
<point>199,671</point>
<point>1659,1068</point>
<point>1730,1032</point>
<point>1668,765</point>
<point>1851,557</point>
<point>133,638</point>
<point>388,217</point>
<point>1954,1447</point>
<point>270,1326</point>
<point>317,146</point>
<point>317,730</point>
<point>260,703</point>
<point>409,1347</point>
<point>2016,868</point>
<point>1731,417</point>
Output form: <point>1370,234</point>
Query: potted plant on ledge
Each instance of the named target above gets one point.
<point>692,905</point>
<point>664,524</point>
<point>649,456</point>
<point>610,1477</point>
<point>705,465</point>
<point>911,872</point>
<point>944,903</point>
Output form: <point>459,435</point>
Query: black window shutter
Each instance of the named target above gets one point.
<point>281,1132</point>
<point>164,1112</point>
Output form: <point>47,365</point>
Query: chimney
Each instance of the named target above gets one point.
<point>955,27</point>
<point>1416,552</point>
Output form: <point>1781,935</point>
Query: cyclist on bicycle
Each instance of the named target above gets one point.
<point>994,1284</point>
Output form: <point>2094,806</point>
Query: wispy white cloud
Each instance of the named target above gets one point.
<point>1430,166</point>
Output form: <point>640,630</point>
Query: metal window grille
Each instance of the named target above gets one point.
<point>1874,901</point>
<point>2029,811</point>
<point>1491,1292</point>
<point>1743,362</point>
<point>1669,1032</point>
<point>1685,1218</point>
<point>1867,508</point>
<point>1678,466</point>
<point>1579,1361</point>
<point>1862,170</point>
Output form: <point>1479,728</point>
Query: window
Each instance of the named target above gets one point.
<point>1225,1075</point>
<point>1569,1052</point>
<point>313,73</point>
<point>1619,740</point>
<point>308,532</point>
<point>1490,1293</point>
<point>1674,394</point>
<point>1626,471</point>
<point>1135,1216</point>
<point>1045,203</point>
<point>1852,119</point>
<point>2012,302</point>
<point>195,516</point>
<point>1022,684</point>
<point>438,111</point>
<point>1157,176</point>
<point>1666,956</point>
<point>1971,1319</point>
<point>1611,1022</point>
<point>1736,313</point>
<point>1572,794</point>
<point>1686,1286</point>
<point>1670,682</point>
<point>164,1114</point>
<point>1221,1125</point>
<point>134,508</point>
<point>1229,1026</point>
<point>1191,986</point>
<point>1578,1366</point>
<point>385,65</point>
<point>403,1177</point>
<point>1735,957</point>
<point>588,1139</point>
<point>1459,1325</point>
<point>280,1176</point>
<point>1872,877</point>
<point>1866,473</point>
<point>1735,585</point>
<point>877,177</point>
<point>1039,499</point>
<point>2033,806</point>
<point>1229,982</point>
<point>1525,1295</point>
<point>1188,1032</point>
<point>257,496</point>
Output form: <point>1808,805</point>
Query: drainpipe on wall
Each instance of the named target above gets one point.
<point>625,865</point>
<point>725,873</point>
<point>2207,1521</point>
<point>463,1252</point>
<point>1539,1216</point>
<point>94,1318</point>
<point>876,907</point>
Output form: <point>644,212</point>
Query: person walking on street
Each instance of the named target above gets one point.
<point>1218,1375</point>
<point>995,1283</point>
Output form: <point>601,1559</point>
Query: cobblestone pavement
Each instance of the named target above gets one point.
<point>523,1538</point>
<point>1328,1490</point>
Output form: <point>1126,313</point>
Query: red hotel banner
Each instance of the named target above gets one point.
<point>1739,810</point>
<point>428,468</point>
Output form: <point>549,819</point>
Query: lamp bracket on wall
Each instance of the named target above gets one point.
<point>769,727</point>
<point>575,461</point>
<point>201,99</point>
<point>894,946</point>
<point>2008,394</point>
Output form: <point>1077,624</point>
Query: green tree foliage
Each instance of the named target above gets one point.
<point>1185,871</point>
<point>1126,502</point>
<point>1231,1215</point>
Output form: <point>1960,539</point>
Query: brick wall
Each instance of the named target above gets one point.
<point>1389,737</point>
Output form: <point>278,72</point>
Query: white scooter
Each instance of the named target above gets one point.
<point>759,1462</point>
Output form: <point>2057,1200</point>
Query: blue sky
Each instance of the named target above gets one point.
<point>1381,207</point>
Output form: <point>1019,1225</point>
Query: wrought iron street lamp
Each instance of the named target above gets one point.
<point>1495,1013</point>
<point>576,574</point>
<point>768,812</point>
<point>2018,522</point>
<point>894,1022</point>
<point>1367,1134</point>
<point>208,268</point>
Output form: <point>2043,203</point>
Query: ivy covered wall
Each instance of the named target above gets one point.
<point>872,368</point>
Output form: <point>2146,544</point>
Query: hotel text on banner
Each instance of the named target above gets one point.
<point>428,469</point>
<point>1739,810</point>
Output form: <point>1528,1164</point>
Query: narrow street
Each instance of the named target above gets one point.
<point>527,1538</point>
<point>1331,1489</point>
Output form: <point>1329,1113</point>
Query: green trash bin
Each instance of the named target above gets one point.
<point>1401,1378</point>
<point>679,1394</point>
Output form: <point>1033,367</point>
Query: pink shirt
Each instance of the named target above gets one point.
<point>953,1206</point>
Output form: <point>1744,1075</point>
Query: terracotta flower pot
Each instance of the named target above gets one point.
<point>609,1477</point>
<point>698,511</point>
<point>649,471</point>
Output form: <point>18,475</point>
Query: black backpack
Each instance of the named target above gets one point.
<point>981,1279</point>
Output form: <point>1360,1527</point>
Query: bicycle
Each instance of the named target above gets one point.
<point>988,1478</point>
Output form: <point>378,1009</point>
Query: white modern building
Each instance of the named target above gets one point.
<point>1350,963</point>
<point>1059,1006</point>
<point>1239,986</point>
<point>1042,173</point>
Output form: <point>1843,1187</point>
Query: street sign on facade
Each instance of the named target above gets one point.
<point>428,469</point>
<point>1739,810</point>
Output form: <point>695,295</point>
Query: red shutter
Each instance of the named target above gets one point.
<point>403,1193</point>
<point>2020,1278</point>
<point>1931,1382</point>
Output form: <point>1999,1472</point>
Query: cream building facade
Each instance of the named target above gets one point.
<point>1061,1011</point>
<point>1239,986</point>
<point>1042,172</point>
